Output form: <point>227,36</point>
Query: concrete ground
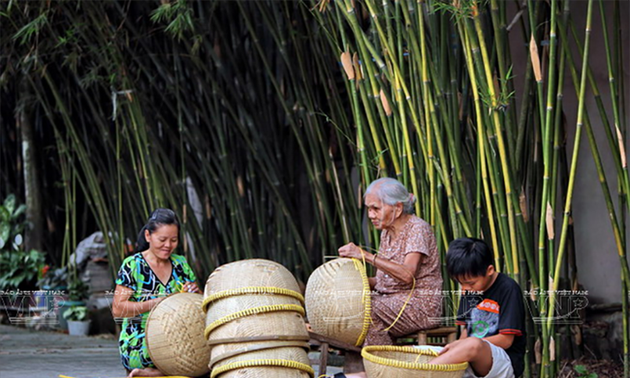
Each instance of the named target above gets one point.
<point>26,353</point>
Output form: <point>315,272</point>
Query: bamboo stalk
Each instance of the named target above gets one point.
<point>576,146</point>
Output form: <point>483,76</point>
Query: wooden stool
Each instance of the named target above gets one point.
<point>353,362</point>
<point>445,335</point>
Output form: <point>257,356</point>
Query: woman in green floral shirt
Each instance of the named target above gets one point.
<point>144,280</point>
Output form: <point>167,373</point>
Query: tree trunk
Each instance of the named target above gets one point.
<point>34,233</point>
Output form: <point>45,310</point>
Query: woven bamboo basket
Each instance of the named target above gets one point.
<point>276,325</point>
<point>221,352</point>
<point>174,336</point>
<point>338,301</point>
<point>252,276</point>
<point>232,307</point>
<point>285,361</point>
<point>386,361</point>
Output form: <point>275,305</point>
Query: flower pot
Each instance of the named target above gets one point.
<point>78,328</point>
<point>63,306</point>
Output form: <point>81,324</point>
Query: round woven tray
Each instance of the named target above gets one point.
<point>385,361</point>
<point>222,351</point>
<point>285,325</point>
<point>225,307</point>
<point>337,301</point>
<point>283,361</point>
<point>174,336</point>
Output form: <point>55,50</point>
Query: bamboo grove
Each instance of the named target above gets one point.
<point>262,122</point>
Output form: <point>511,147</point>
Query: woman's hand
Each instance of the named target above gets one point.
<point>353,251</point>
<point>122,307</point>
<point>190,287</point>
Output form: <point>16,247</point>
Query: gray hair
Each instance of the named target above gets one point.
<point>391,192</point>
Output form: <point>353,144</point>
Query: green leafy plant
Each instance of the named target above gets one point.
<point>54,279</point>
<point>18,268</point>
<point>76,313</point>
<point>11,226</point>
<point>583,372</point>
<point>78,290</point>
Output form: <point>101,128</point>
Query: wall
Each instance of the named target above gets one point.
<point>597,259</point>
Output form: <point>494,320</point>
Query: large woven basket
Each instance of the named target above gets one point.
<point>338,301</point>
<point>253,276</point>
<point>284,361</point>
<point>174,336</point>
<point>386,361</point>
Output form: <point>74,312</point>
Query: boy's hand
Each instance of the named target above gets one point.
<point>449,346</point>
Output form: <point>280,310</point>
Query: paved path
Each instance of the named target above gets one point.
<point>38,354</point>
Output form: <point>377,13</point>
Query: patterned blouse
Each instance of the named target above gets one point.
<point>416,236</point>
<point>136,274</point>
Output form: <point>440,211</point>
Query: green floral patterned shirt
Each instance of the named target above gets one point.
<point>136,274</point>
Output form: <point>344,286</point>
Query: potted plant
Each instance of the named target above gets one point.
<point>78,322</point>
<point>78,292</point>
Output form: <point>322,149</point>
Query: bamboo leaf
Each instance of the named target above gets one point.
<point>386,107</point>
<point>549,222</point>
<point>346,61</point>
<point>535,58</point>
<point>522,201</point>
<point>622,149</point>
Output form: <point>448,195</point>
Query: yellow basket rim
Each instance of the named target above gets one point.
<point>366,353</point>
<point>367,299</point>
<point>261,290</point>
<point>263,362</point>
<point>252,311</point>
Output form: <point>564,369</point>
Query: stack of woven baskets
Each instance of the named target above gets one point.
<point>254,322</point>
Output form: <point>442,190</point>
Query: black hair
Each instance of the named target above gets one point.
<point>468,257</point>
<point>159,217</point>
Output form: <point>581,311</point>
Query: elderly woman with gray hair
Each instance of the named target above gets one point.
<point>407,259</point>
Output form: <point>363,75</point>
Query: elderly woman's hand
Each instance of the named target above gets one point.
<point>351,250</point>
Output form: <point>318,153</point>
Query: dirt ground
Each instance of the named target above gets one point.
<point>603,369</point>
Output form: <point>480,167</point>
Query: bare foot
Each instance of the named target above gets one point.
<point>147,372</point>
